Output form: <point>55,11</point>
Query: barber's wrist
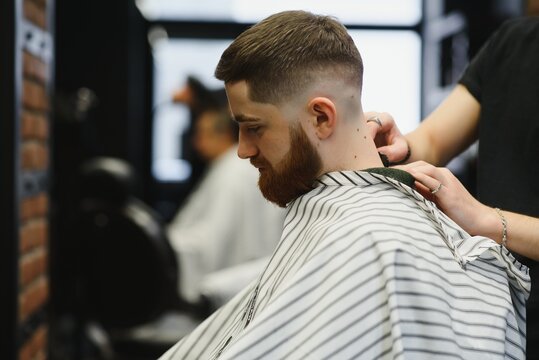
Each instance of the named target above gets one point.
<point>491,225</point>
<point>503,221</point>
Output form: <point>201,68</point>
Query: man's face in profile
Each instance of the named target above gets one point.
<point>293,176</point>
<point>287,160</point>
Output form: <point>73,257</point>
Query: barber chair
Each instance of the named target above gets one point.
<point>127,268</point>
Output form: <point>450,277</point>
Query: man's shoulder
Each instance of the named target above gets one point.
<point>362,213</point>
<point>384,211</point>
<point>381,199</point>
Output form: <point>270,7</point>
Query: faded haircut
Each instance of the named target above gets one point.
<point>283,54</point>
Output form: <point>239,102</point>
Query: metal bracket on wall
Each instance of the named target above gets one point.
<point>31,324</point>
<point>36,41</point>
<point>438,26</point>
<point>33,183</point>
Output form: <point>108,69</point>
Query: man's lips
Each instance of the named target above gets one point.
<point>260,166</point>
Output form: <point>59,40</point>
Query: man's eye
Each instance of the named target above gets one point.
<point>253,129</point>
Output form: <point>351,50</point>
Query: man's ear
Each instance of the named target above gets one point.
<point>324,115</point>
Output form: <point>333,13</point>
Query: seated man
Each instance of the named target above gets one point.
<point>225,222</point>
<point>366,267</point>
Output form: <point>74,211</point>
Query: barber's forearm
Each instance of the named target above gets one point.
<point>434,143</point>
<point>522,232</point>
<point>421,147</point>
<point>448,130</point>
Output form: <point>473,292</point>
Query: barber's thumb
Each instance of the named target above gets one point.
<point>390,152</point>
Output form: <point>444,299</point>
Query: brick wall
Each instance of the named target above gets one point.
<point>533,8</point>
<point>34,144</point>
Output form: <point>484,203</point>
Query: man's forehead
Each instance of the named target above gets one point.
<point>237,89</point>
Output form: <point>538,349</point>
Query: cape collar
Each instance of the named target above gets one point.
<point>364,177</point>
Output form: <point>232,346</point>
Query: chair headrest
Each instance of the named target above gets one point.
<point>107,178</point>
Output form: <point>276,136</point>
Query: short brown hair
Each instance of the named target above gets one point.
<point>281,55</point>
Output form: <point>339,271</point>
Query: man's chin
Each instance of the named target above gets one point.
<point>277,200</point>
<point>294,175</point>
<point>281,193</point>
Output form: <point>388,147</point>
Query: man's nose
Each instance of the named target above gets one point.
<point>246,148</point>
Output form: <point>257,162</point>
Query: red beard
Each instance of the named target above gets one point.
<point>294,175</point>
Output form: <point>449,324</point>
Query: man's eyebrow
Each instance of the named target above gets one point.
<point>240,118</point>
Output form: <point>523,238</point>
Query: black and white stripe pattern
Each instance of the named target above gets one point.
<point>367,268</point>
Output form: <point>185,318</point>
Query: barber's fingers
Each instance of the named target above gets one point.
<point>414,165</point>
<point>380,123</point>
<point>452,197</point>
<point>430,180</point>
<point>386,135</point>
<point>373,128</point>
<point>396,151</point>
<point>422,167</point>
<point>439,185</point>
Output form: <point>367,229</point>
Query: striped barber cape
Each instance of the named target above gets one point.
<point>367,268</point>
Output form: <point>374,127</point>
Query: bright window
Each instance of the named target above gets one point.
<point>391,83</point>
<point>351,12</point>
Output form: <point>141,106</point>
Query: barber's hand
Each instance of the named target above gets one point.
<point>447,192</point>
<point>387,136</point>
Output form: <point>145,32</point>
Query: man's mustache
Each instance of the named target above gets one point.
<point>260,163</point>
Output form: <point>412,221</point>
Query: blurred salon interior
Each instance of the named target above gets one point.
<point>123,225</point>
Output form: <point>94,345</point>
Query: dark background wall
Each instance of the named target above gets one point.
<point>103,83</point>
<point>101,108</point>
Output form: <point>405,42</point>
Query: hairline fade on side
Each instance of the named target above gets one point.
<point>282,55</point>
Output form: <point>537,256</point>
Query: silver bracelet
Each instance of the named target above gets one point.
<point>504,226</point>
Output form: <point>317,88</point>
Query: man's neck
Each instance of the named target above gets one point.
<point>351,149</point>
